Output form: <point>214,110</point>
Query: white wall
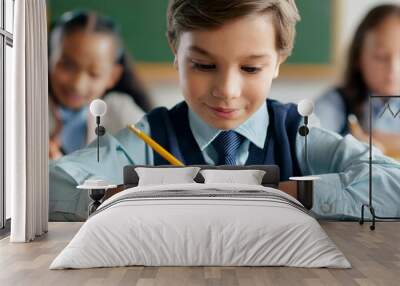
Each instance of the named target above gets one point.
<point>351,13</point>
<point>291,90</point>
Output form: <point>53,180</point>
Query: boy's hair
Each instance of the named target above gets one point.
<point>188,15</point>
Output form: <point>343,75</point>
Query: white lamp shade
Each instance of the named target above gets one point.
<point>305,107</point>
<point>98,107</point>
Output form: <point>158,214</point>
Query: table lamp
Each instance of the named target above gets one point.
<point>305,109</point>
<point>305,185</point>
<point>97,187</point>
<point>98,108</point>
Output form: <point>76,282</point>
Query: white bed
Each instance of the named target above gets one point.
<point>201,224</point>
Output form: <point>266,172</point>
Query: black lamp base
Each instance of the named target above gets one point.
<point>96,195</point>
<point>374,216</point>
<point>372,211</point>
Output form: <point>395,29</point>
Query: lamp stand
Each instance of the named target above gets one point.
<point>303,131</point>
<point>100,131</point>
<point>369,204</point>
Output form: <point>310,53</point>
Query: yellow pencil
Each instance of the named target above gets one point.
<point>155,146</point>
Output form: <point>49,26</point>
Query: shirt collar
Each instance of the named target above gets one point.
<point>254,128</point>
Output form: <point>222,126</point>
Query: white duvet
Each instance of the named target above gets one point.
<point>206,230</point>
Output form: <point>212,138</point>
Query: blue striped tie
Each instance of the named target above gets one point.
<point>226,144</point>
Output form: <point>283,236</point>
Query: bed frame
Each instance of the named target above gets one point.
<point>270,179</point>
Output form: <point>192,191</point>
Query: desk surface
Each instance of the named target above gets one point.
<point>374,255</point>
<point>393,154</point>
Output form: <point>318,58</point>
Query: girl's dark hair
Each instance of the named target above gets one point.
<point>354,90</point>
<point>89,21</point>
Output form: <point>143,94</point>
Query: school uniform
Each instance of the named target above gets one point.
<point>78,126</point>
<point>269,136</point>
<point>332,112</point>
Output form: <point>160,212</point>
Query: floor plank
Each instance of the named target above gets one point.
<point>374,255</point>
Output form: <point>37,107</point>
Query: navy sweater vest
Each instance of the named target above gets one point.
<point>170,128</point>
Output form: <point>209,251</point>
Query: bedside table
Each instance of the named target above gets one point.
<point>305,190</point>
<point>97,190</point>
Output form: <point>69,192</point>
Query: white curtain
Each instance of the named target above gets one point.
<point>27,124</point>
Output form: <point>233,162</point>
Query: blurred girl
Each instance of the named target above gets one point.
<point>373,68</point>
<point>87,61</point>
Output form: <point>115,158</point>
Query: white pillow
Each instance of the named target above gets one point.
<point>163,176</point>
<point>248,177</point>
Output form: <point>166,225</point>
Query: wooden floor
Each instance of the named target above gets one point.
<point>374,255</point>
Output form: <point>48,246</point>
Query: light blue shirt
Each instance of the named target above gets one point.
<point>253,130</point>
<point>331,111</point>
<point>340,162</point>
<point>74,128</point>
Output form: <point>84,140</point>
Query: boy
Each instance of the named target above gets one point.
<point>227,53</point>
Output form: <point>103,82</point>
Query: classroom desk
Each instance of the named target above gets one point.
<point>393,154</point>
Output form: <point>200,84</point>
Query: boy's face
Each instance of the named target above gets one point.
<point>226,73</point>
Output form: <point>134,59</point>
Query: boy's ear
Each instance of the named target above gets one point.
<point>176,62</point>
<point>281,59</point>
<point>115,76</point>
<point>174,51</point>
<point>276,73</point>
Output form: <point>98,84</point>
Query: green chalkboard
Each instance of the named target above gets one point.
<point>143,25</point>
<point>313,44</point>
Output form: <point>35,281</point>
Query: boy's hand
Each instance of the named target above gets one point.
<point>54,141</point>
<point>54,149</point>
